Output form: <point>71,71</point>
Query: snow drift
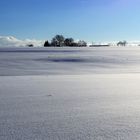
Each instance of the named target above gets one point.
<point>10,41</point>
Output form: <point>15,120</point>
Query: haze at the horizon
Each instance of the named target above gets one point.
<point>91,20</point>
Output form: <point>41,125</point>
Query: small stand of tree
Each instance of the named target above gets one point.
<point>69,42</point>
<point>60,40</point>
<point>121,43</point>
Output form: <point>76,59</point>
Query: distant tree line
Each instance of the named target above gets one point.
<point>60,40</point>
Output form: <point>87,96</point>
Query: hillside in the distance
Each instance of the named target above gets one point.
<point>10,41</point>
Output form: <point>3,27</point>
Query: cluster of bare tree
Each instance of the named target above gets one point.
<point>60,40</point>
<point>121,43</point>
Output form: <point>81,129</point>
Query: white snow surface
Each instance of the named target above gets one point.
<point>70,93</point>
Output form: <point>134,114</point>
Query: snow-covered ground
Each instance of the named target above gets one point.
<point>46,61</point>
<point>70,93</point>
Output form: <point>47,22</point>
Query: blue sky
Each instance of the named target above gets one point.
<point>91,20</point>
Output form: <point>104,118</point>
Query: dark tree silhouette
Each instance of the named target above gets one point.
<point>54,42</point>
<point>121,43</point>
<point>30,45</point>
<point>46,44</point>
<point>58,40</point>
<point>69,42</point>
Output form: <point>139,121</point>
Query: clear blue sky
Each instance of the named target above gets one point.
<point>92,20</point>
